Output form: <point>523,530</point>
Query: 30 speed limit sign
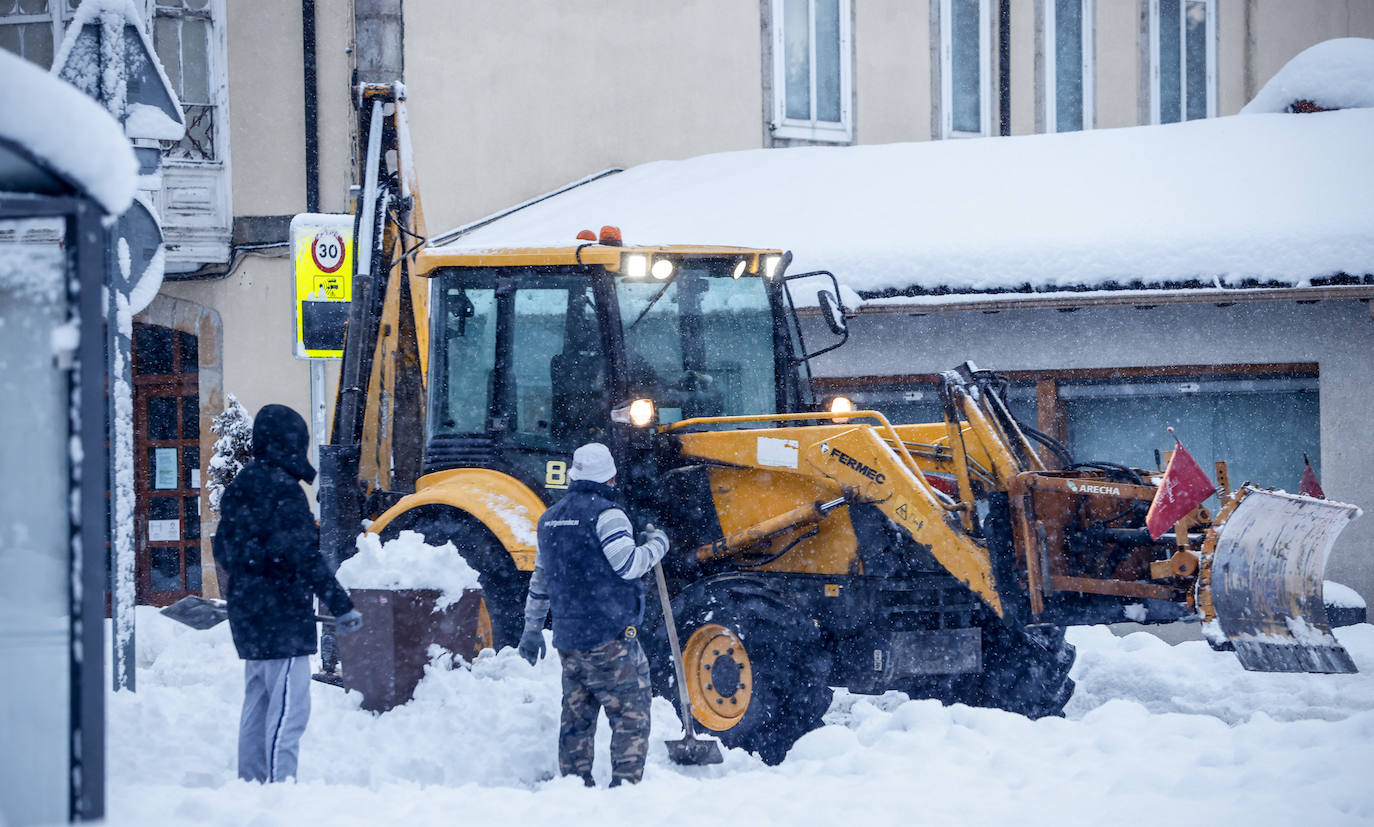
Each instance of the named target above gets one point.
<point>327,249</point>
<point>323,252</point>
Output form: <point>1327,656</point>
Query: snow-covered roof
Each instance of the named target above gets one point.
<point>1224,201</point>
<point>67,132</point>
<point>1334,74</point>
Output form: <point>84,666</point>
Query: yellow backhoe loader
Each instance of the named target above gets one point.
<point>811,548</point>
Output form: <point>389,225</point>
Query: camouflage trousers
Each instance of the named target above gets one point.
<point>613,676</point>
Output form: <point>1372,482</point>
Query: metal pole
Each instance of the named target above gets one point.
<point>119,350</point>
<point>318,405</point>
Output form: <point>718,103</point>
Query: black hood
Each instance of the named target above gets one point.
<point>280,437</point>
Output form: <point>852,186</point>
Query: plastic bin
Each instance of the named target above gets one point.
<point>386,658</point>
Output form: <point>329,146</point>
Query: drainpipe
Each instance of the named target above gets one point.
<point>312,108</point>
<point>1004,67</point>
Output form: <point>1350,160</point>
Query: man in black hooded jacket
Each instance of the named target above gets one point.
<point>269,547</point>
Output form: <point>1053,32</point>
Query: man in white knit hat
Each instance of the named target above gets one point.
<point>588,571</point>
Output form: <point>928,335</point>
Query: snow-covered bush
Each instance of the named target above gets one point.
<point>1334,74</point>
<point>233,449</point>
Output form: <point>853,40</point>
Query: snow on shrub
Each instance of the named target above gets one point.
<point>233,449</point>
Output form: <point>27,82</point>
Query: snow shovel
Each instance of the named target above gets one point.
<point>205,612</point>
<point>689,750</point>
<point>197,612</point>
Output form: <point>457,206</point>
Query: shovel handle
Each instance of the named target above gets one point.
<point>684,703</point>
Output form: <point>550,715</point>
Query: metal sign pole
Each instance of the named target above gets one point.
<point>318,409</point>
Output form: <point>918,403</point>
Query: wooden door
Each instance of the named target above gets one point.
<point>167,465</point>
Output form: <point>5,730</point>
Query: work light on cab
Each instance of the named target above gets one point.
<point>636,266</point>
<point>638,413</point>
<point>662,269</point>
<point>770,265</point>
<point>739,268</point>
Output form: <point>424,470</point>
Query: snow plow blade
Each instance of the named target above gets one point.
<point>1266,584</point>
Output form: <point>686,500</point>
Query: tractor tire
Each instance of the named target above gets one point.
<point>770,654</point>
<point>503,586</point>
<point>1026,672</point>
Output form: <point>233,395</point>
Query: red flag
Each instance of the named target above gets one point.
<point>1184,488</point>
<point>1309,486</point>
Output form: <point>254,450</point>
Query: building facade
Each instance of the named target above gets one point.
<point>512,100</point>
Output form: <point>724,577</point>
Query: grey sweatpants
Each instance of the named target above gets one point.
<point>276,707</point>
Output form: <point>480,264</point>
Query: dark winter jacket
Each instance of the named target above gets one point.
<point>591,603</point>
<point>269,545</point>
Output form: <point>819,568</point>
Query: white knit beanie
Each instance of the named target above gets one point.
<point>592,462</point>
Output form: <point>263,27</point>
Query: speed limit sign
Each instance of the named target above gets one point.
<point>323,246</point>
<point>327,249</point>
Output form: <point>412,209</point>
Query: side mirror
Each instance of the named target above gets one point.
<point>832,312</point>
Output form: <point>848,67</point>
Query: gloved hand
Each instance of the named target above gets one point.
<point>532,646</point>
<point>651,533</point>
<point>349,621</point>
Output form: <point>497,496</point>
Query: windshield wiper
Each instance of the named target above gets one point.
<point>652,302</point>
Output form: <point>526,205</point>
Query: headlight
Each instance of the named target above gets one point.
<point>739,268</point>
<point>662,269</point>
<point>770,265</point>
<point>636,266</point>
<point>639,413</point>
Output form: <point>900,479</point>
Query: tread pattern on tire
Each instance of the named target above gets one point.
<point>1026,673</point>
<point>790,667</point>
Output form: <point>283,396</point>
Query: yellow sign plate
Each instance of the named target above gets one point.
<point>322,245</point>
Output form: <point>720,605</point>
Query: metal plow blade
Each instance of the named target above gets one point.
<point>1270,555</point>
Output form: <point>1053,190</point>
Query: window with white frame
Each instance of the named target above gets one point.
<point>965,68</point>
<point>1183,60</point>
<point>195,198</point>
<point>182,32</point>
<point>812,80</point>
<point>1069,62</point>
<point>33,29</point>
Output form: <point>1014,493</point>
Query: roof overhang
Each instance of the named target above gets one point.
<point>1077,300</point>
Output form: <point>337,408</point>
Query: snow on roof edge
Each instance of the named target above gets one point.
<point>1235,201</point>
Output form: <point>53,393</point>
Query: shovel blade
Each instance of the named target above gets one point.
<point>694,751</point>
<point>197,612</point>
<point>1267,576</point>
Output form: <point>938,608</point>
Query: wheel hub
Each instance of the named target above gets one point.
<point>719,676</point>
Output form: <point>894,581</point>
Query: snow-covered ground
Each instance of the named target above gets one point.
<point>1155,734</point>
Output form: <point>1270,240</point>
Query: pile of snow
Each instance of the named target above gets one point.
<point>1334,74</point>
<point>67,132</point>
<point>1151,728</point>
<point>407,563</point>
<point>1276,198</point>
<point>1341,595</point>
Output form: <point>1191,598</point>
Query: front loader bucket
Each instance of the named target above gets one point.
<point>1266,580</point>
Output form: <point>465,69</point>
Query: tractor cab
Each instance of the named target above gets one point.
<point>533,352</point>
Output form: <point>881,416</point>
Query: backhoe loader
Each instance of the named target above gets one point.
<point>811,548</point>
